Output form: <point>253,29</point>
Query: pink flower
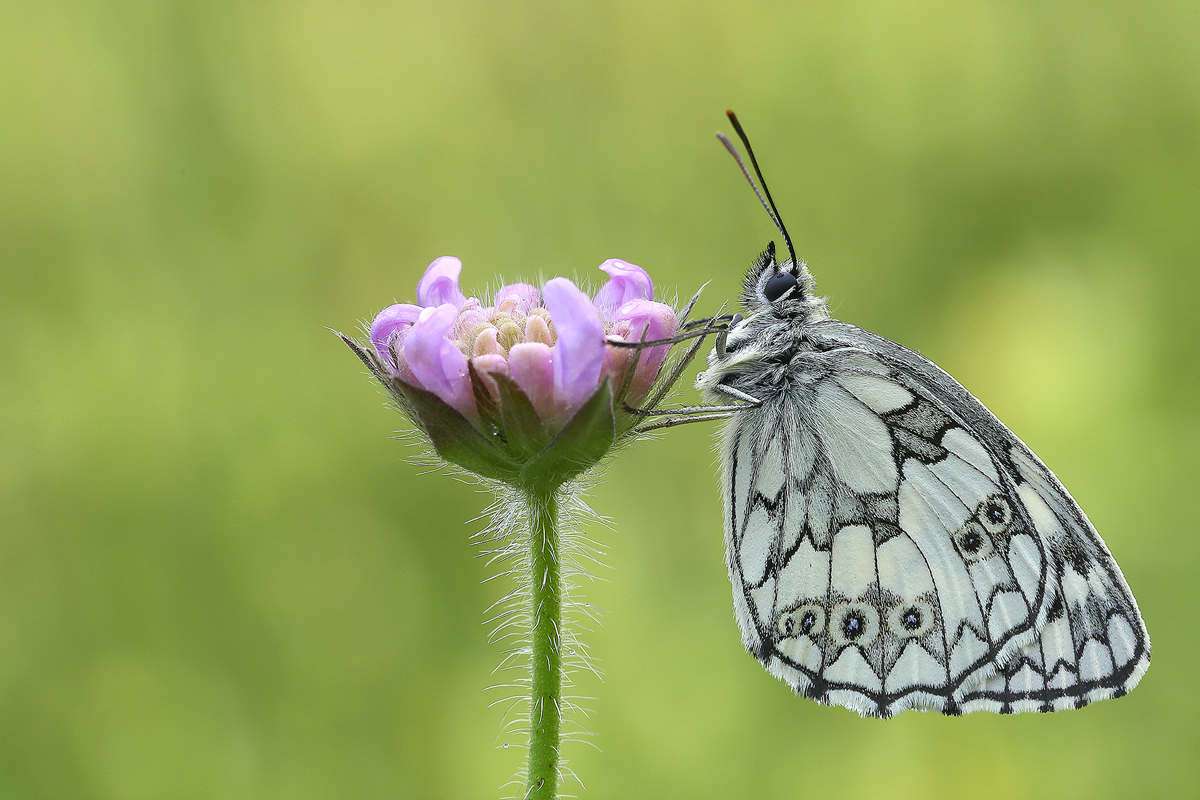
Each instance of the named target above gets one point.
<point>529,390</point>
<point>551,343</point>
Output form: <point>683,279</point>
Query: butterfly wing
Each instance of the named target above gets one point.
<point>892,545</point>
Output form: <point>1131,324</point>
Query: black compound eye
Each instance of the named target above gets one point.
<point>778,285</point>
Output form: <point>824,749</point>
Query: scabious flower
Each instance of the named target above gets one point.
<point>527,387</point>
<point>531,388</point>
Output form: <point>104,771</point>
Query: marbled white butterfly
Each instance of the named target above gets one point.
<point>891,544</point>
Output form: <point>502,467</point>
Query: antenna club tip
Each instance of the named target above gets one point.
<point>729,113</point>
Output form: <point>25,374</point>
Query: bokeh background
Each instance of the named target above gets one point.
<point>219,576</point>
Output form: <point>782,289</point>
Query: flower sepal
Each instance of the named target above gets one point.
<point>457,440</point>
<point>452,436</point>
<point>516,447</point>
<point>578,447</point>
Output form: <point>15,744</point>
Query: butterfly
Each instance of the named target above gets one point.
<point>891,544</point>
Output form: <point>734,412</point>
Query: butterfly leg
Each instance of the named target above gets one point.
<point>672,421</point>
<point>665,385</point>
<point>738,394</point>
<point>685,411</point>
<point>748,401</point>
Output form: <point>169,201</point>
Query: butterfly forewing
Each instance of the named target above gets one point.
<point>892,545</point>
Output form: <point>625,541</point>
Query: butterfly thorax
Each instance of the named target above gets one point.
<point>764,350</point>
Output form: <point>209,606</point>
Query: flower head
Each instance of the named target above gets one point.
<point>527,386</point>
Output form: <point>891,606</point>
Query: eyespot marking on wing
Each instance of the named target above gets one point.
<point>853,624</point>
<point>911,619</point>
<point>807,619</point>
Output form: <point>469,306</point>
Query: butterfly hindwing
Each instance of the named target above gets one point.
<point>892,545</point>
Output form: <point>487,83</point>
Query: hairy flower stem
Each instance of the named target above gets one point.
<point>545,712</point>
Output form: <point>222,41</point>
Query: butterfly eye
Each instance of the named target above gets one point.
<point>778,285</point>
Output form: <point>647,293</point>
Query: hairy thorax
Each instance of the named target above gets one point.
<point>764,356</point>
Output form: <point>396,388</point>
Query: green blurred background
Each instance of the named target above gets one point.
<point>219,578</point>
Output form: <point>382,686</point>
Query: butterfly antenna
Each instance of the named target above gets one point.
<point>771,210</point>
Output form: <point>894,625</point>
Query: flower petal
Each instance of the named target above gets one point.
<point>391,321</point>
<point>626,282</point>
<point>436,362</point>
<point>532,369</point>
<point>439,284</point>
<point>658,322</point>
<point>579,351</point>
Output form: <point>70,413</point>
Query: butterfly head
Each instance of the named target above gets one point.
<point>780,290</point>
<point>777,304</point>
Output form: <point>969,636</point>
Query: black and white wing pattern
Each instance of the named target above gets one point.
<point>892,545</point>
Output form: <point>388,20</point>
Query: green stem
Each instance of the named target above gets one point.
<point>545,698</point>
